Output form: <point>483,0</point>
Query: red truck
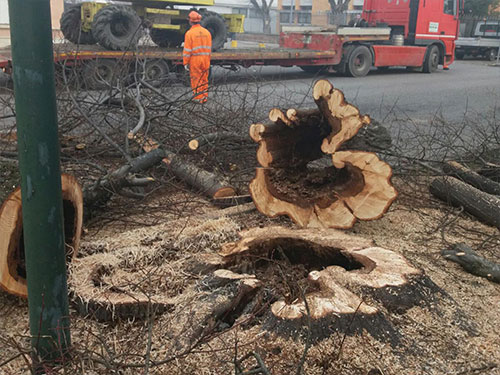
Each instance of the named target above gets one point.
<point>418,34</point>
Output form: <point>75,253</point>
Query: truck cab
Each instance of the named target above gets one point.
<point>420,22</point>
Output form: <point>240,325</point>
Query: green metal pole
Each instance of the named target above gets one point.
<point>38,146</point>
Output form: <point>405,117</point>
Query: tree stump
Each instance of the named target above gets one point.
<point>12,265</point>
<point>321,280</point>
<point>356,186</point>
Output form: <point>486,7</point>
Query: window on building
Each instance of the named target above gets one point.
<point>304,18</point>
<point>240,11</point>
<point>306,7</point>
<point>253,13</point>
<point>286,17</point>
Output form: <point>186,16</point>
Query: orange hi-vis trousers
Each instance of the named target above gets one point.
<point>196,54</point>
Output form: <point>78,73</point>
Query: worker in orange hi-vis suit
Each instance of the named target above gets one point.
<point>196,56</point>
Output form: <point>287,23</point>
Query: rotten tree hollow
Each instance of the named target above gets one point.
<point>317,280</point>
<point>12,258</point>
<point>306,172</point>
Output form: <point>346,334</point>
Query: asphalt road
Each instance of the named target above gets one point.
<point>468,86</point>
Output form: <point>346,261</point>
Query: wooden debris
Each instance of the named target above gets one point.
<point>12,267</point>
<point>484,206</point>
<point>203,181</point>
<point>214,138</point>
<point>472,262</point>
<point>356,185</point>
<point>452,168</point>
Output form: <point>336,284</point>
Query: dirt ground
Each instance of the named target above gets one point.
<point>454,334</point>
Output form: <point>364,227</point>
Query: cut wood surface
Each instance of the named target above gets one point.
<point>344,118</point>
<point>452,168</point>
<point>203,181</point>
<point>472,262</point>
<point>357,184</point>
<point>12,266</point>
<point>214,139</point>
<point>483,206</point>
<point>336,276</point>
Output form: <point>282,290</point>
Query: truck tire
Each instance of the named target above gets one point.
<point>156,72</point>
<point>71,26</point>
<point>359,62</point>
<point>117,27</point>
<point>431,61</point>
<point>166,38</point>
<point>459,55</point>
<point>100,74</point>
<point>491,55</point>
<point>214,23</point>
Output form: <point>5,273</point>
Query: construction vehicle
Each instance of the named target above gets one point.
<point>417,34</point>
<point>481,38</point>
<point>119,27</point>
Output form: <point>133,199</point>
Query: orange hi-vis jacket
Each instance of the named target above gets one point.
<point>196,54</point>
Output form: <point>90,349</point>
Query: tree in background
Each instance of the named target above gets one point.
<point>264,9</point>
<point>338,7</point>
<point>481,7</point>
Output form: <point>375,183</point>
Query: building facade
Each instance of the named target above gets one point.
<point>315,12</point>
<point>56,8</point>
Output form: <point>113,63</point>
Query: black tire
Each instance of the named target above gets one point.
<point>100,74</point>
<point>156,72</point>
<point>214,23</point>
<point>313,69</point>
<point>166,38</point>
<point>431,61</point>
<point>459,55</point>
<point>71,26</point>
<point>117,27</point>
<point>491,55</point>
<point>359,62</point>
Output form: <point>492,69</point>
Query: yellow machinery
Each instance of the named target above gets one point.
<point>119,27</point>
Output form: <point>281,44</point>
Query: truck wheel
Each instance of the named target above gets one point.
<point>431,60</point>
<point>459,55</point>
<point>100,74</point>
<point>117,27</point>
<point>156,72</point>
<point>71,26</point>
<point>491,55</point>
<point>166,38</point>
<point>214,23</point>
<point>359,62</point>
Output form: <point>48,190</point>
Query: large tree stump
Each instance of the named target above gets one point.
<point>12,264</point>
<point>324,281</point>
<point>356,186</point>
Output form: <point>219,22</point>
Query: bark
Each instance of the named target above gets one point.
<point>202,181</point>
<point>472,262</point>
<point>12,265</point>
<point>452,168</point>
<point>483,206</point>
<point>117,180</point>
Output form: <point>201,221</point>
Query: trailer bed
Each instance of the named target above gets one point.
<point>246,57</point>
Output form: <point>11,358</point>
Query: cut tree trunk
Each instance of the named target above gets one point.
<point>319,280</point>
<point>203,181</point>
<point>357,184</point>
<point>452,168</point>
<point>484,206</point>
<point>471,262</point>
<point>12,265</point>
